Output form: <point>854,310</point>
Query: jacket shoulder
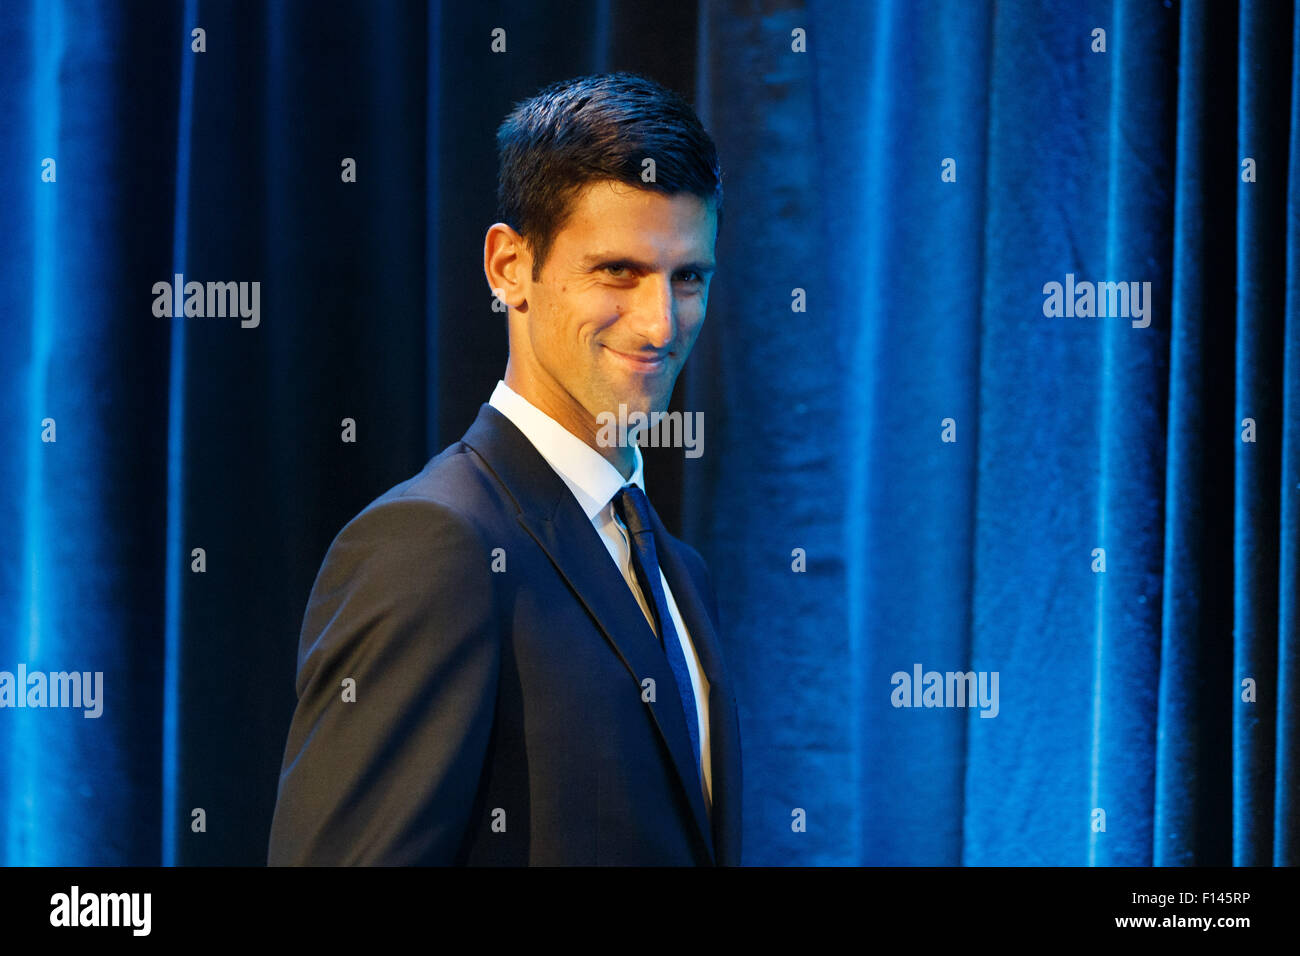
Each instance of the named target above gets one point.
<point>452,487</point>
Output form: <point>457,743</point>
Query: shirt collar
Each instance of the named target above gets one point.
<point>591,478</point>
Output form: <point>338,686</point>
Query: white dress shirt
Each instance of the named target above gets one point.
<point>595,482</point>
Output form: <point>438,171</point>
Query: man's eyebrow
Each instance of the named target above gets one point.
<point>598,258</point>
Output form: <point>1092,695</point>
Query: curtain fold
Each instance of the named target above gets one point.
<point>1132,410</point>
<point>1197,598</point>
<point>1262,94</point>
<point>1286,798</point>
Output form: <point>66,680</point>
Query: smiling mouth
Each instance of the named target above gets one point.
<point>644,363</point>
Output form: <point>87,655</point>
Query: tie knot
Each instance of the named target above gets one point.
<point>633,508</point>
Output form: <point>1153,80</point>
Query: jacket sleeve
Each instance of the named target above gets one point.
<point>402,606</point>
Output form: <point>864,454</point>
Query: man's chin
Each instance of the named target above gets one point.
<point>639,404</point>
<point>630,413</point>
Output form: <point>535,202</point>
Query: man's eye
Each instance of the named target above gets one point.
<point>614,267</point>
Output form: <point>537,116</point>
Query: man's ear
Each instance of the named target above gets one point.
<point>507,264</point>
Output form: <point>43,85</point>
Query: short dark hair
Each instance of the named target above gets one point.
<point>597,127</point>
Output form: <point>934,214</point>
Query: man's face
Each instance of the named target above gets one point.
<point>621,298</point>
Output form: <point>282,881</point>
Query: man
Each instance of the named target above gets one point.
<point>506,659</point>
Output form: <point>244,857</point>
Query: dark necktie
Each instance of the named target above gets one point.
<point>634,509</point>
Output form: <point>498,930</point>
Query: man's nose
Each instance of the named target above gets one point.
<point>655,311</point>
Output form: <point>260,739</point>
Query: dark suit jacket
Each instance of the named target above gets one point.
<point>498,716</point>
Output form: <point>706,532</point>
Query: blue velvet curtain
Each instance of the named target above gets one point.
<point>918,456</point>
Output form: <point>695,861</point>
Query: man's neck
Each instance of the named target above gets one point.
<point>571,416</point>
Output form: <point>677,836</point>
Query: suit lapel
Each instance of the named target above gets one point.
<point>724,724</point>
<point>551,515</point>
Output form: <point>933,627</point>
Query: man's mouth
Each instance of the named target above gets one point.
<point>642,361</point>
